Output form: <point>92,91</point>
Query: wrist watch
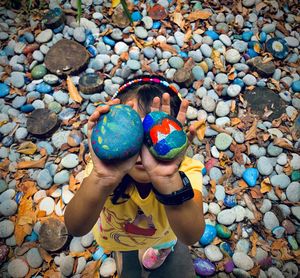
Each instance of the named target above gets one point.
<point>178,197</point>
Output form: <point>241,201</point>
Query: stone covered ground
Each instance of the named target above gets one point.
<point>237,62</point>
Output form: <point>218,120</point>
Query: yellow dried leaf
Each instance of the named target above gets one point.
<point>199,14</point>
<point>3,123</point>
<point>200,127</point>
<point>86,254</point>
<point>115,3</point>
<point>32,164</point>
<point>27,148</point>
<point>178,19</point>
<point>74,94</point>
<point>253,239</point>
<point>265,186</point>
<point>216,56</point>
<point>91,270</point>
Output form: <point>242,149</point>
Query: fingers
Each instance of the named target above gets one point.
<point>130,103</point>
<point>155,104</point>
<point>165,107</point>
<point>95,116</point>
<point>181,117</point>
<point>191,133</point>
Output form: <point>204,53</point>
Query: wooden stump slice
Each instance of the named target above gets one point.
<point>53,235</point>
<point>66,57</point>
<point>90,83</point>
<point>262,98</point>
<point>184,78</point>
<point>42,122</point>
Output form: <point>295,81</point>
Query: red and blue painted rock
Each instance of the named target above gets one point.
<point>118,134</point>
<point>164,135</point>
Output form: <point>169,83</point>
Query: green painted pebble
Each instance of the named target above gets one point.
<point>295,175</point>
<point>38,72</point>
<point>223,231</point>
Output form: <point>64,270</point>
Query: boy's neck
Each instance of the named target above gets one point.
<point>144,189</point>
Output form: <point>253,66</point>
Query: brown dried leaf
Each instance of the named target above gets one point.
<point>199,14</point>
<point>265,186</point>
<point>91,270</point>
<point>86,254</point>
<point>200,127</point>
<point>251,133</point>
<point>255,193</point>
<point>260,6</point>
<point>216,56</point>
<point>27,148</point>
<point>235,121</point>
<point>283,143</point>
<point>52,273</point>
<point>253,239</point>
<point>166,47</point>
<point>179,20</point>
<point>32,164</point>
<point>74,94</point>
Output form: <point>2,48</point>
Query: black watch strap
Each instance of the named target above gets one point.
<point>178,197</point>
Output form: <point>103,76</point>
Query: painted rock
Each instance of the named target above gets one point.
<point>228,266</point>
<point>230,201</point>
<point>54,18</point>
<point>4,89</point>
<point>209,235</point>
<point>118,134</point>
<point>164,135</point>
<point>38,72</point>
<point>223,231</point>
<point>250,176</point>
<point>226,249</point>
<point>277,47</point>
<point>204,267</point>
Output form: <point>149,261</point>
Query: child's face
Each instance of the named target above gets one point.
<point>138,172</point>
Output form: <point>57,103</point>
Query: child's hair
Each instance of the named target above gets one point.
<point>144,89</point>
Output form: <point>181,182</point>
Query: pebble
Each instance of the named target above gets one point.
<point>233,90</point>
<point>264,166</point>
<point>141,32</point>
<point>47,204</point>
<point>17,268</point>
<point>108,267</point>
<point>44,179</point>
<point>213,253</point>
<point>270,220</point>
<point>232,56</point>
<point>66,265</point>
<point>226,217</point>
<point>70,161</point>
<point>223,141</point>
<point>176,62</point>
<point>34,258</point>
<point>293,192</point>
<point>8,207</point>
<point>6,228</point>
<point>121,47</point>
<point>208,103</point>
<point>280,180</point>
<point>222,109</point>
<point>17,79</point>
<point>44,36</point>
<point>249,80</point>
<point>242,261</point>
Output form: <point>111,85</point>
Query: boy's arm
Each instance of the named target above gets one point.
<point>84,209</point>
<point>186,220</point>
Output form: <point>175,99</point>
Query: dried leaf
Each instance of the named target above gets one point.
<point>188,35</point>
<point>27,148</point>
<point>74,94</point>
<point>200,127</point>
<point>199,14</point>
<point>45,255</point>
<point>235,121</point>
<point>28,188</point>
<point>216,56</point>
<point>278,244</point>
<point>178,19</point>
<point>86,254</point>
<point>52,273</point>
<point>32,164</point>
<point>265,186</point>
<point>260,6</point>
<point>253,239</point>
<point>166,47</point>
<point>91,270</point>
<point>283,143</point>
<point>278,192</point>
<point>115,3</point>
<point>251,133</point>
<point>255,193</point>
<point>285,256</point>
<point>254,272</point>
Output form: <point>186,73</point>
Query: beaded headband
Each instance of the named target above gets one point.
<point>148,80</point>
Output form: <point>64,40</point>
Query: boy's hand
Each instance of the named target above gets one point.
<point>165,172</point>
<point>112,173</point>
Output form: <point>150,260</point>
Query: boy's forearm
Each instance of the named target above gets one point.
<point>84,209</point>
<point>186,220</point>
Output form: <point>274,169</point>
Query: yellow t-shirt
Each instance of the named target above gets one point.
<point>140,223</point>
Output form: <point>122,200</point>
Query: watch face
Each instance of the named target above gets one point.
<point>164,135</point>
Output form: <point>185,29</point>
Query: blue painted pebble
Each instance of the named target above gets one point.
<point>4,89</point>
<point>89,40</point>
<point>262,37</point>
<point>98,253</point>
<point>92,50</point>
<point>109,41</point>
<point>27,108</point>
<point>209,235</point>
<point>296,86</point>
<point>230,201</point>
<point>239,81</point>
<point>118,134</point>
<point>278,48</point>
<point>204,267</point>
<point>44,88</point>
<point>246,36</point>
<point>250,176</point>
<point>156,25</point>
<point>136,16</point>
<point>278,231</point>
<point>226,249</point>
<point>212,34</point>
<point>32,237</point>
<point>18,197</point>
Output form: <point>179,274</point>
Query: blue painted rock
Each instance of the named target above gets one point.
<point>212,34</point>
<point>246,36</point>
<point>44,88</point>
<point>118,134</point>
<point>204,267</point>
<point>223,231</point>
<point>277,47</point>
<point>164,135</point>
<point>209,235</point>
<point>262,37</point>
<point>226,249</point>
<point>250,176</point>
<point>230,201</point>
<point>296,86</point>
<point>4,89</point>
